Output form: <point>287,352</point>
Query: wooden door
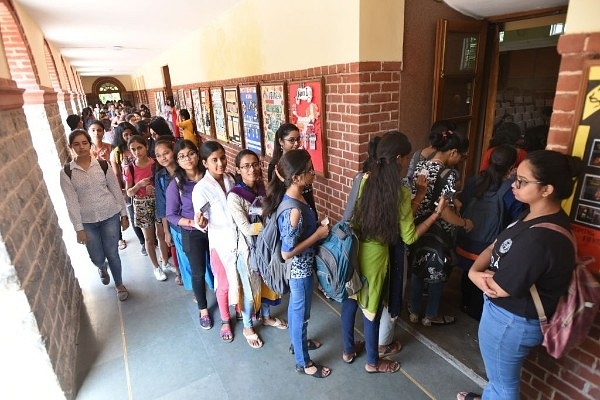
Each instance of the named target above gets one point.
<point>457,84</point>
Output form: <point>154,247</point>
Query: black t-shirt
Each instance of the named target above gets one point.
<point>523,256</point>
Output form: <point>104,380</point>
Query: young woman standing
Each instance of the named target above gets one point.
<point>210,205</point>
<point>191,243</point>
<point>139,184</point>
<point>96,208</point>
<point>299,231</point>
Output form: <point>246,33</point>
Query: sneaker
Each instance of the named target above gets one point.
<point>104,276</point>
<point>143,250</point>
<point>205,322</point>
<point>159,274</point>
<point>168,267</point>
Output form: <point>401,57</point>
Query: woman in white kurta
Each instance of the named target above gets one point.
<point>210,206</point>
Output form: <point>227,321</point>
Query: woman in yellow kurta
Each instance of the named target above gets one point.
<point>382,198</point>
<point>187,126</point>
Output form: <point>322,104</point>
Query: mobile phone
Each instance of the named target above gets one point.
<point>205,207</point>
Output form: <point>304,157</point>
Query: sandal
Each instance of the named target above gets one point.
<point>253,340</point>
<point>205,321</point>
<point>321,371</point>
<point>279,324</point>
<point>468,396</point>
<point>122,293</point>
<point>383,365</point>
<point>445,320</point>
<point>312,345</point>
<point>122,244</point>
<point>226,334</point>
<point>390,349</point>
<point>412,317</point>
<point>104,276</point>
<point>359,346</point>
<point>178,280</point>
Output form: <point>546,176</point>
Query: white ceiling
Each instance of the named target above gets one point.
<point>114,37</point>
<point>489,8</point>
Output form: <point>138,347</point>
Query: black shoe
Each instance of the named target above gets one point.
<point>104,276</point>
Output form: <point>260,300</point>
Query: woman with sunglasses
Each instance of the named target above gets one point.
<point>522,255</point>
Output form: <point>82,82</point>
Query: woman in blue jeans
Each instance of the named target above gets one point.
<point>96,208</point>
<point>299,232</point>
<point>524,254</point>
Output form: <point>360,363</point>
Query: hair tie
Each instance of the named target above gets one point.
<point>279,175</point>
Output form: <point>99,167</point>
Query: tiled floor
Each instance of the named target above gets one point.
<point>151,347</point>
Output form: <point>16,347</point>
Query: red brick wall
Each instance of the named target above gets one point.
<point>361,101</point>
<point>576,375</point>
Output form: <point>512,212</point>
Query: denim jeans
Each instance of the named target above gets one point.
<point>195,246</point>
<point>298,315</point>
<point>433,299</point>
<point>103,244</point>
<point>182,258</point>
<point>371,329</point>
<point>247,300</point>
<point>505,339</point>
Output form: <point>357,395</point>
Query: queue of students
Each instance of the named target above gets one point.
<point>209,216</point>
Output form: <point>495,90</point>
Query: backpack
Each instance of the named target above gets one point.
<point>103,165</point>
<point>487,215</point>
<point>265,254</point>
<point>336,259</point>
<point>575,312</point>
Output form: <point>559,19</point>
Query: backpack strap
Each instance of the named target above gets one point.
<point>352,197</point>
<point>67,167</point>
<point>533,290</point>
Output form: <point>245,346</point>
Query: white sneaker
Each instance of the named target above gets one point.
<point>159,274</point>
<point>168,267</point>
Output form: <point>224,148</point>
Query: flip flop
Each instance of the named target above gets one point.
<point>312,345</point>
<point>468,396</point>
<point>279,324</point>
<point>226,334</point>
<point>253,340</point>
<point>122,293</point>
<point>446,320</point>
<point>384,366</point>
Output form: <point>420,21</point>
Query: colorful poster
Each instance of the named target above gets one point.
<point>250,115</point>
<point>306,111</point>
<point>232,110</point>
<point>218,112</point>
<point>273,113</point>
<point>197,107</point>
<point>181,97</point>
<point>206,112</point>
<point>585,204</point>
<point>159,102</point>
<point>188,101</point>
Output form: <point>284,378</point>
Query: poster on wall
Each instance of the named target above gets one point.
<point>218,113</point>
<point>181,95</point>
<point>306,107</point>
<point>206,112</point>
<point>175,97</point>
<point>197,107</point>
<point>188,101</point>
<point>232,113</point>
<point>585,204</point>
<point>159,102</point>
<point>273,112</point>
<point>250,116</point>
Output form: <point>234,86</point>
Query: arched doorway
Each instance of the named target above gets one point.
<point>108,89</point>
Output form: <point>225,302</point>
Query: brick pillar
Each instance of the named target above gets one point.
<point>40,296</point>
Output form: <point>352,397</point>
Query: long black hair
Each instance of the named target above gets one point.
<point>292,163</point>
<point>282,132</point>
<point>502,159</point>
<point>376,213</point>
<point>120,142</point>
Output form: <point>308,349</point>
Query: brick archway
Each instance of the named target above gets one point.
<point>101,81</point>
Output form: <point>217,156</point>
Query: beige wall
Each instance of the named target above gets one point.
<point>582,16</point>
<point>88,81</point>
<point>259,37</point>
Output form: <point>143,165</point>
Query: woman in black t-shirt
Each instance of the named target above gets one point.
<point>523,255</point>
